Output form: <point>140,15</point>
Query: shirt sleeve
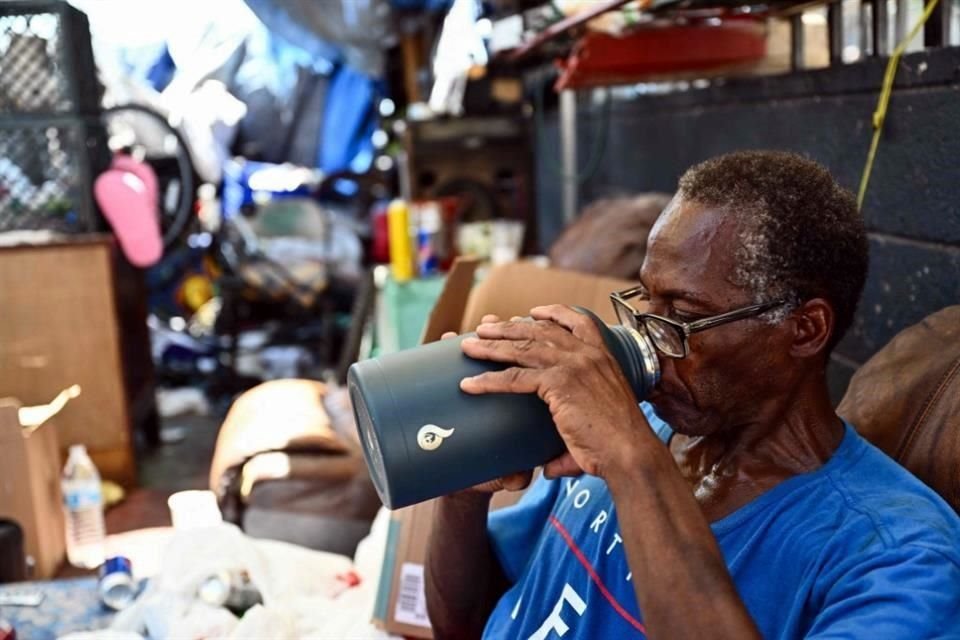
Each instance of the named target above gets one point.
<point>661,428</point>
<point>515,531</point>
<point>909,592</point>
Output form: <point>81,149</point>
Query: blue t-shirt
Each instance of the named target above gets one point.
<point>858,548</point>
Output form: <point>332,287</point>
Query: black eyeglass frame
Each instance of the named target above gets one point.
<point>683,329</point>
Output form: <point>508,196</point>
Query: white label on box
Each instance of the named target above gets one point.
<point>412,601</point>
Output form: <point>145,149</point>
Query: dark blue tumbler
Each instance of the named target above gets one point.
<point>423,437</point>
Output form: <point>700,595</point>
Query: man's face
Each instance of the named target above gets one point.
<point>730,370</point>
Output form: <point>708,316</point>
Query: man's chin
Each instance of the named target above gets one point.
<point>668,407</point>
<point>681,417</point>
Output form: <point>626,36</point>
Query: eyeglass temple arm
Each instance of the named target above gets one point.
<point>627,293</point>
<point>730,316</point>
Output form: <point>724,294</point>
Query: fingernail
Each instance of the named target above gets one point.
<point>469,341</point>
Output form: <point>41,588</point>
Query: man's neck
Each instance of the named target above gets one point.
<point>729,469</point>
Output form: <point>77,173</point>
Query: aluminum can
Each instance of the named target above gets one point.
<point>116,586</point>
<point>230,588</point>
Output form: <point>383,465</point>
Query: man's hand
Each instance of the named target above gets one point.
<point>560,355</point>
<point>515,481</point>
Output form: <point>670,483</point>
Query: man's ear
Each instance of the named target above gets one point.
<point>813,325</point>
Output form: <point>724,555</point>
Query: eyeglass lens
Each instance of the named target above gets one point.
<point>625,315</point>
<point>665,337</point>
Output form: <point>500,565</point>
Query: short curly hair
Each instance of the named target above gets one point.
<point>801,233</point>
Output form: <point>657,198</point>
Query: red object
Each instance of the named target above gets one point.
<point>350,578</point>
<point>6,631</point>
<point>599,59</point>
<point>380,242</point>
<point>450,212</point>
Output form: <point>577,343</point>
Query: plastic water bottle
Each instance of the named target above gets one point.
<point>83,506</point>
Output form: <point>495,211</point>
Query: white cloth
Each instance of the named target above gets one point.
<point>304,592</point>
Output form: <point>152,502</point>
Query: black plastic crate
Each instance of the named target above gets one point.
<point>46,60</point>
<point>47,167</point>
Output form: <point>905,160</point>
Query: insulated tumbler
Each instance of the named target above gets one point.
<point>423,437</point>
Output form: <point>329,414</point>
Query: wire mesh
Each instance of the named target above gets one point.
<point>51,142</point>
<point>32,73</point>
<point>45,176</point>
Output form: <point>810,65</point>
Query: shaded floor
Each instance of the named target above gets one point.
<point>182,463</point>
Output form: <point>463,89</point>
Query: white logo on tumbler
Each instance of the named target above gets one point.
<point>431,436</point>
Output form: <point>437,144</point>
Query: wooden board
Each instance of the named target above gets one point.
<point>58,327</point>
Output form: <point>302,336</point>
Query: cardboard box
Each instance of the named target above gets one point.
<point>507,291</point>
<point>68,317</point>
<point>30,478</point>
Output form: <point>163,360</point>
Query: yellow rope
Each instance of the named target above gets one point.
<point>881,113</point>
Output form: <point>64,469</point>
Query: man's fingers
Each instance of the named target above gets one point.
<point>563,465</point>
<point>527,329</point>
<point>485,319</point>
<point>517,481</point>
<point>573,321</point>
<point>526,353</point>
<point>512,380</point>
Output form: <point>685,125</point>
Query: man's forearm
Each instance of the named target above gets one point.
<point>464,578</point>
<point>680,579</point>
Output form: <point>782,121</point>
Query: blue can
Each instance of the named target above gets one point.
<point>116,587</point>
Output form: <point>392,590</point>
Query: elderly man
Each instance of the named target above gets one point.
<point>736,504</point>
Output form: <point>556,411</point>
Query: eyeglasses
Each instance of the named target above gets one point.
<point>669,336</point>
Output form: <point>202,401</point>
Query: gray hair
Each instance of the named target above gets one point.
<point>801,234</point>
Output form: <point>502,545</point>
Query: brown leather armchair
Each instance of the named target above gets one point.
<point>288,466</point>
<point>906,401</point>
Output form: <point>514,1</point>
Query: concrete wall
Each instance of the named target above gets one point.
<point>912,207</point>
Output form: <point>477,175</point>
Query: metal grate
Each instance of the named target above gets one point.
<point>46,60</point>
<point>52,144</point>
<point>45,175</point>
<point>32,77</point>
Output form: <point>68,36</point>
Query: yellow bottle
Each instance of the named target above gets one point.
<point>401,248</point>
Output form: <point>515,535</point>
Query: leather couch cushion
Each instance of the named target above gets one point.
<point>610,237</point>
<point>906,401</point>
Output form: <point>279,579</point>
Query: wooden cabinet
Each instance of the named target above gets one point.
<point>75,313</point>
